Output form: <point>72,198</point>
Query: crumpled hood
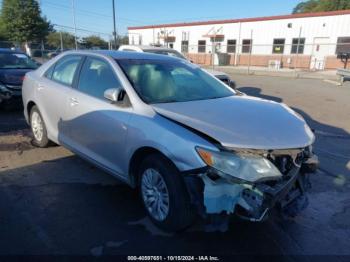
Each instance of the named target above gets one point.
<point>242,122</point>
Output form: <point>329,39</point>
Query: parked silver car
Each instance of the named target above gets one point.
<point>188,142</point>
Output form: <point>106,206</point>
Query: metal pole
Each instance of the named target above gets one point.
<point>42,48</point>
<point>250,50</point>
<point>75,26</point>
<point>297,55</point>
<point>114,26</point>
<point>213,50</point>
<point>238,44</point>
<point>61,38</point>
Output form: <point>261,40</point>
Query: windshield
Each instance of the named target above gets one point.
<point>16,61</point>
<point>158,81</point>
<point>165,52</point>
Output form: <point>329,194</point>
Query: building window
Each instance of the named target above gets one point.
<point>295,42</point>
<point>140,39</point>
<point>278,46</point>
<point>201,46</point>
<point>343,45</point>
<point>184,46</point>
<point>231,46</point>
<point>247,45</point>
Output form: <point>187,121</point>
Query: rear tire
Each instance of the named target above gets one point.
<point>38,128</point>
<point>164,194</point>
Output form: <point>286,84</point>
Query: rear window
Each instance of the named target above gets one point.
<point>165,52</point>
<point>16,61</point>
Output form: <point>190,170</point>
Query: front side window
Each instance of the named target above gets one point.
<point>96,77</point>
<point>201,46</point>
<point>298,45</point>
<point>65,69</point>
<point>159,81</point>
<point>16,61</point>
<point>278,46</point>
<point>246,45</point>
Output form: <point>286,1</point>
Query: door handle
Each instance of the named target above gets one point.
<point>40,87</point>
<point>73,101</point>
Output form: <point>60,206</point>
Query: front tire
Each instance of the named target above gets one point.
<point>38,128</point>
<point>164,194</point>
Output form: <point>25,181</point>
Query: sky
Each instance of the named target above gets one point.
<point>96,15</point>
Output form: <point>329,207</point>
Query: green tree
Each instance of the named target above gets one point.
<point>123,40</point>
<point>94,41</point>
<point>2,33</point>
<point>54,40</point>
<point>22,21</point>
<point>321,5</point>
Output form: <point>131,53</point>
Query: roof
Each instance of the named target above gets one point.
<point>244,20</point>
<point>123,54</point>
<point>148,47</point>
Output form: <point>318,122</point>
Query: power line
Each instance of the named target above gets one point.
<point>82,29</point>
<point>89,12</point>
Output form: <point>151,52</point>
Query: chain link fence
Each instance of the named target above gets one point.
<point>63,40</point>
<point>250,58</point>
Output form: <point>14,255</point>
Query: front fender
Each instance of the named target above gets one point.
<point>173,140</point>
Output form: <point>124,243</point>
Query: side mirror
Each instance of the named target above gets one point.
<point>114,94</point>
<point>232,84</point>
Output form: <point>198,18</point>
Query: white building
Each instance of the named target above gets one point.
<point>316,37</point>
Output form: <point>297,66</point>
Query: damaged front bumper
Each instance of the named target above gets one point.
<point>213,194</point>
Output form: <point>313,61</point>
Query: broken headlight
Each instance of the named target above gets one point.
<point>249,168</point>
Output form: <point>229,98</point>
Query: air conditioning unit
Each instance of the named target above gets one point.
<point>275,64</point>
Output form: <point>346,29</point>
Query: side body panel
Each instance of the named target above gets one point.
<point>97,129</point>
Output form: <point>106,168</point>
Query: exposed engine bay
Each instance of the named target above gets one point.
<point>217,194</point>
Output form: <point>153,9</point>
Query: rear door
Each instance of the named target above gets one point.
<point>53,93</point>
<point>97,127</point>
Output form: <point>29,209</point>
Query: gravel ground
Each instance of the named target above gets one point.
<point>54,203</point>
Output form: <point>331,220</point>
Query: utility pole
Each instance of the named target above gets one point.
<point>297,54</point>
<point>61,39</point>
<point>114,27</point>
<point>75,26</point>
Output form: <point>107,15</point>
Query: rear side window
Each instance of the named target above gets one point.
<point>65,69</point>
<point>48,73</point>
<point>96,77</point>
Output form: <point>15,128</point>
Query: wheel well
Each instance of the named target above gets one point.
<point>136,160</point>
<point>29,107</point>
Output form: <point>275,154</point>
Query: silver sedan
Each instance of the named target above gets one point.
<point>193,147</point>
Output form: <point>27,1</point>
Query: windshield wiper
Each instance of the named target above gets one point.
<point>166,101</point>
